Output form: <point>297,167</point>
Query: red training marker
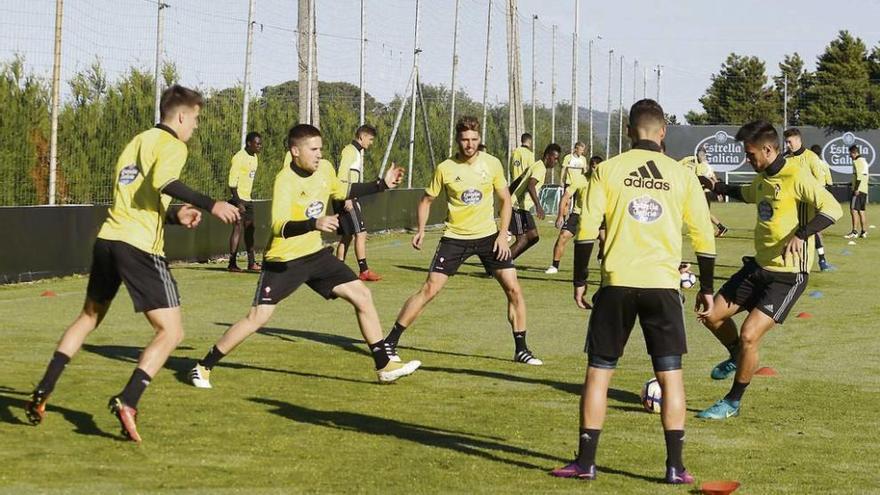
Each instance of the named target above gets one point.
<point>766,371</point>
<point>719,487</point>
<point>48,293</point>
<point>804,315</point>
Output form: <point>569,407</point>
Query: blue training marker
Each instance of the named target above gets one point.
<point>816,294</point>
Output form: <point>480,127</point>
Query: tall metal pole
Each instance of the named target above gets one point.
<point>635,78</point>
<point>412,128</point>
<point>311,61</point>
<point>590,90</point>
<point>784,101</point>
<point>534,81</point>
<point>574,73</point>
<point>620,110</point>
<point>608,128</point>
<point>452,85</point>
<point>160,28</point>
<point>659,72</point>
<point>486,74</point>
<point>553,88</point>
<point>56,95</point>
<point>246,93</point>
<point>363,50</point>
<point>645,82</point>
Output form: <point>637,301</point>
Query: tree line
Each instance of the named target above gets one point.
<point>101,115</point>
<point>842,91</point>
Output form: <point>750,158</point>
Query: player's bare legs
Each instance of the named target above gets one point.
<point>416,303</point>
<point>516,304</point>
<point>168,326</point>
<point>91,316</point>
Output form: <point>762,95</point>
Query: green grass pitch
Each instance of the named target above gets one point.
<point>295,409</point>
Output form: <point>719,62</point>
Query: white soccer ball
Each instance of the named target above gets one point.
<point>688,280</point>
<point>652,396</point>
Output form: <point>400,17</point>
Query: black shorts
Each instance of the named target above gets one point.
<point>146,276</point>
<point>859,201</point>
<point>571,223</point>
<point>710,197</point>
<point>773,293</point>
<point>350,222</point>
<point>614,313</point>
<point>521,221</point>
<point>247,215</point>
<point>451,253</point>
<point>321,271</point>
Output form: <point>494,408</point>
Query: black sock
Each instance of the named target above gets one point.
<point>736,391</point>
<point>251,258</point>
<point>362,264</point>
<point>232,259</point>
<point>519,340</point>
<point>555,263</point>
<point>587,444</point>
<point>733,349</point>
<point>212,358</point>
<point>394,335</point>
<point>135,387</point>
<point>53,371</point>
<point>380,355</point>
<point>674,446</point>
<point>721,226</point>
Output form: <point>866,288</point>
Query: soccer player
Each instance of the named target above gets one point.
<point>351,219</point>
<point>859,194</point>
<point>699,164</point>
<point>523,157</point>
<point>129,249</point>
<point>524,192</point>
<point>574,186</point>
<point>645,198</point>
<point>810,161</point>
<point>296,255</point>
<point>824,168</point>
<point>791,207</point>
<point>468,179</point>
<point>241,183</point>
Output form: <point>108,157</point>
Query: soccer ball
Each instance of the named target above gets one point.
<point>688,280</point>
<point>652,396</point>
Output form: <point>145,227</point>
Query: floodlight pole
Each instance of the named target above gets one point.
<point>659,76</point>
<point>534,81</point>
<point>635,78</point>
<point>574,73</point>
<point>412,122</point>
<point>784,101</point>
<point>246,95</point>
<point>645,82</point>
<point>486,74</point>
<point>452,85</point>
<point>361,79</point>
<point>608,127</point>
<point>309,66</point>
<point>620,110</point>
<point>553,88</point>
<point>590,97</point>
<point>56,94</point>
<point>157,81</point>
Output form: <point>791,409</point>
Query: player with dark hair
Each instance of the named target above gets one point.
<point>574,186</point>
<point>523,157</point>
<point>524,193</point>
<point>859,194</point>
<point>645,198</point>
<point>468,180</point>
<point>351,218</point>
<point>791,208</point>
<point>296,255</point>
<point>129,249</point>
<point>808,160</point>
<point>241,183</point>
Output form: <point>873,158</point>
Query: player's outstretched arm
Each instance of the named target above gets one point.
<point>582,253</point>
<point>185,215</point>
<point>828,211</point>
<point>501,249</point>
<point>393,177</point>
<point>226,212</point>
<point>533,192</point>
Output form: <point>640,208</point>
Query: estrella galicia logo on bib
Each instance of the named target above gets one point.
<point>128,174</point>
<point>315,209</point>
<point>723,152</point>
<point>645,209</point>
<point>836,152</point>
<point>471,196</point>
<point>765,210</point>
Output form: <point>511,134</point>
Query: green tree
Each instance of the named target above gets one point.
<point>738,93</point>
<point>799,80</point>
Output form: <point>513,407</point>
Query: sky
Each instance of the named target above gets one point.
<point>206,38</point>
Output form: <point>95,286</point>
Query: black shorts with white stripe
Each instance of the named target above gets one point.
<point>859,201</point>
<point>146,276</point>
<point>350,222</point>
<point>772,293</point>
<point>521,221</point>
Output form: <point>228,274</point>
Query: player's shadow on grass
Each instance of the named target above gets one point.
<point>571,388</point>
<point>465,443</point>
<point>83,422</point>
<point>181,365</point>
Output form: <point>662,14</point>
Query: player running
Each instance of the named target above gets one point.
<point>241,183</point>
<point>791,208</point>
<point>524,193</point>
<point>810,161</point>
<point>859,194</point>
<point>129,249</point>
<point>574,187</point>
<point>468,179</point>
<point>296,255</point>
<point>645,198</point>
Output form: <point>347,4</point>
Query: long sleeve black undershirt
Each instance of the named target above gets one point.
<point>707,274</point>
<point>294,228</point>
<point>180,191</point>
<point>171,215</point>
<point>582,252</point>
<point>819,223</point>
<point>359,189</point>
<point>734,192</point>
